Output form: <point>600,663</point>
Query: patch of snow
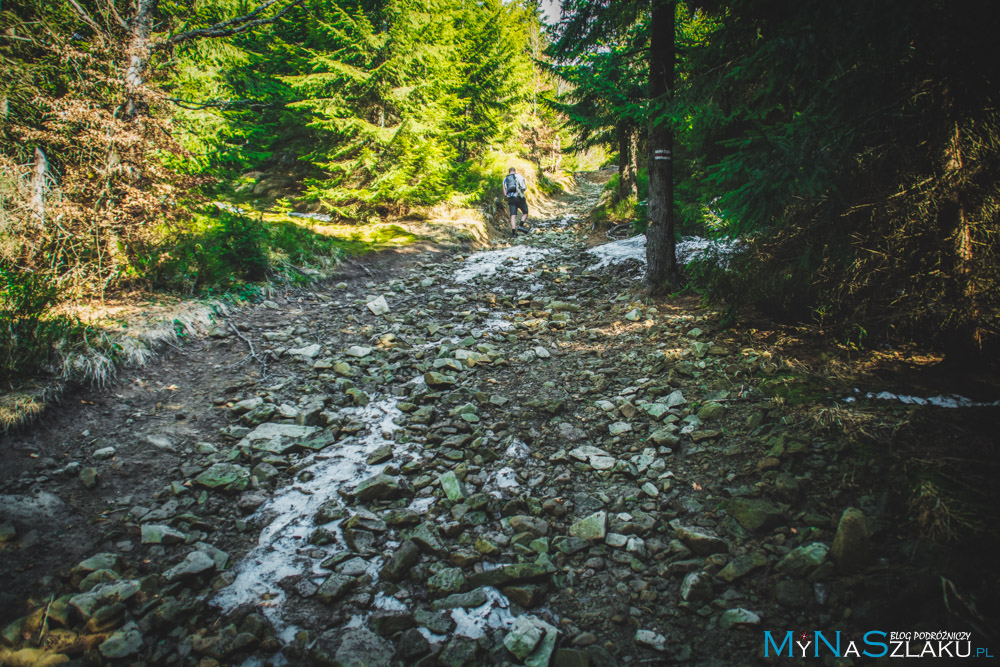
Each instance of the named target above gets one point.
<point>322,217</point>
<point>229,208</point>
<point>688,249</point>
<point>389,603</point>
<point>691,248</point>
<point>517,449</point>
<point>276,556</point>
<point>505,478</point>
<point>494,614</point>
<point>493,323</point>
<point>941,400</point>
<point>421,505</point>
<point>486,263</point>
<point>618,252</point>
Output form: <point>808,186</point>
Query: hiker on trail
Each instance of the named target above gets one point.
<point>513,188</point>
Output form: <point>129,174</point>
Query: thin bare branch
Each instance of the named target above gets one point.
<point>233,26</point>
<point>219,104</point>
<point>86,17</point>
<point>113,11</point>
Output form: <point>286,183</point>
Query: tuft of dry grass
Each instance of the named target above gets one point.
<point>106,348</point>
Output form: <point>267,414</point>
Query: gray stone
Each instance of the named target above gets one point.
<point>593,527</point>
<point>700,542</point>
<point>161,534</point>
<point>121,644</point>
<point>587,452</point>
<point>195,563</point>
<point>218,556</point>
<point>378,306</point>
<point>664,437</point>
<point>101,561</point>
<point>378,486</point>
<point>459,652</point>
<point>102,595</point>
<point>509,574</point>
<point>742,566</point>
<point>710,411</point>
<point>618,428</point>
<point>103,453</point>
<point>227,476</point>
<point>675,399</point>
<point>438,622</point>
<point>754,514</point>
<point>522,523</point>
<point>653,640</point>
<point>434,379</point>
<point>696,588</point>
<point>616,540</point>
<point>802,560</point>
<point>399,563</point>
<point>426,537</point>
<point>335,587</point>
<point>850,548</point>
<point>161,442</point>
<point>451,486</point>
<point>353,567</point>
<point>247,405</point>
<point>276,438</point>
<point>308,352</point>
<point>447,581</point>
<point>388,622</point>
<point>474,598</point>
<point>524,635</point>
<point>738,618</point>
<point>88,477</point>
<point>353,647</point>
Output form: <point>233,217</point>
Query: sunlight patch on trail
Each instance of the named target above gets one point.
<point>515,258</point>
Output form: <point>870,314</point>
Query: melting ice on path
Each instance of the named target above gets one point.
<point>486,263</point>
<point>276,554</point>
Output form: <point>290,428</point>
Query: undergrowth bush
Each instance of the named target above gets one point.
<point>29,332</point>
<point>214,251</point>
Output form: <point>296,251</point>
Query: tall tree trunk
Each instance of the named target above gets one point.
<point>138,52</point>
<point>661,257</point>
<point>627,166</point>
<point>965,338</point>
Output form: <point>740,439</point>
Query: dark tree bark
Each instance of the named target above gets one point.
<point>627,166</point>
<point>661,258</point>
<point>964,340</point>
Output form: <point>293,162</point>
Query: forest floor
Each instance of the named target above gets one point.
<point>510,457</point>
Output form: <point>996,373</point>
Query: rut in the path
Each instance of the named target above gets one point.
<point>505,458</point>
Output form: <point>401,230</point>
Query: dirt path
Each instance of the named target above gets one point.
<point>501,458</point>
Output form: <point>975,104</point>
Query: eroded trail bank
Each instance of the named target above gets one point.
<point>502,458</point>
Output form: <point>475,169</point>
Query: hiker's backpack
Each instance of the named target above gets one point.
<point>510,186</point>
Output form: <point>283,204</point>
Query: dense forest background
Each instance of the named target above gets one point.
<point>851,147</point>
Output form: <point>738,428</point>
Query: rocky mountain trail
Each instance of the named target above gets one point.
<point>505,457</point>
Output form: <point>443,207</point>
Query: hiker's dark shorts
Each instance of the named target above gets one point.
<point>515,203</point>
